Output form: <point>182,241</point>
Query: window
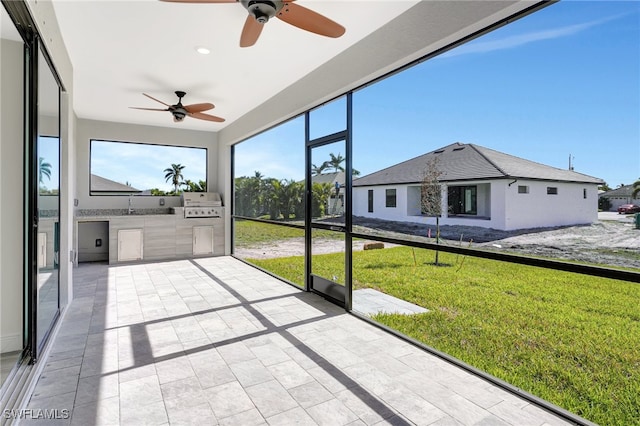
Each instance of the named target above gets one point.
<point>463,200</point>
<point>146,169</point>
<point>370,201</point>
<point>523,189</point>
<point>552,190</point>
<point>390,197</point>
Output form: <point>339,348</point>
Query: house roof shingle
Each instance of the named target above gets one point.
<point>623,192</point>
<point>463,162</point>
<point>329,178</point>
<point>100,184</point>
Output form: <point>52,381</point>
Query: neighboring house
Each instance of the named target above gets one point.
<point>480,187</point>
<point>620,196</point>
<point>335,205</point>
<point>106,186</point>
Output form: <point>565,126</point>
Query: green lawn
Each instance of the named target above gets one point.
<point>249,233</point>
<point>568,338</point>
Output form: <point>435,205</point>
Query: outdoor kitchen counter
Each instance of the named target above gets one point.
<point>165,236</point>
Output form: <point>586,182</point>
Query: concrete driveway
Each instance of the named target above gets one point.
<point>615,216</point>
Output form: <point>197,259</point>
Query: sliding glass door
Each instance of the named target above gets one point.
<point>48,200</point>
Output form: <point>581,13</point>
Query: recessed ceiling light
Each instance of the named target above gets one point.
<point>202,50</point>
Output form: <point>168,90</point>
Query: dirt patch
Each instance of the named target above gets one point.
<point>612,243</point>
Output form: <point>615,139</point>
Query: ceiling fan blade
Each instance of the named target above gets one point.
<point>200,1</point>
<point>198,107</point>
<point>250,32</point>
<point>307,19</point>
<point>208,117</point>
<point>150,109</point>
<point>151,97</point>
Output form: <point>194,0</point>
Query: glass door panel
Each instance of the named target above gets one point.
<point>327,196</point>
<point>327,250</point>
<point>327,183</point>
<point>48,181</point>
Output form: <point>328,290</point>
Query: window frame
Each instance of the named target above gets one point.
<point>98,193</point>
<point>391,198</point>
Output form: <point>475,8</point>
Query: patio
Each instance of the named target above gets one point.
<point>216,341</point>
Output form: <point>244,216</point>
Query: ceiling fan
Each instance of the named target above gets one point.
<point>260,11</point>
<point>180,111</point>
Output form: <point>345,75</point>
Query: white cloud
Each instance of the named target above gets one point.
<point>522,39</point>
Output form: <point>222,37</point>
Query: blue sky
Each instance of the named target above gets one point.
<point>48,150</point>
<point>143,165</point>
<point>564,81</point>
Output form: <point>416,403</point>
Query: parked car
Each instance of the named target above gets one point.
<point>628,209</point>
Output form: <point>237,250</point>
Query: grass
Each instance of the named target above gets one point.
<point>249,233</point>
<point>570,339</point>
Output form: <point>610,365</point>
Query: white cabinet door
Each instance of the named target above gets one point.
<point>129,244</point>
<point>42,249</point>
<point>203,240</point>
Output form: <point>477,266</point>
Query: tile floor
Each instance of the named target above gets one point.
<point>215,341</point>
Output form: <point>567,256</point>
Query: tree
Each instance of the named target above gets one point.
<point>190,186</point>
<point>174,174</point>
<point>44,169</point>
<point>431,195</point>
<point>320,197</point>
<point>636,189</point>
<point>604,187</point>
<point>336,162</point>
<point>317,170</point>
<point>250,195</point>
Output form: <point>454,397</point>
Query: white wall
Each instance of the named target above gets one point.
<point>538,209</point>
<point>92,129</point>
<point>507,209</point>
<point>11,191</point>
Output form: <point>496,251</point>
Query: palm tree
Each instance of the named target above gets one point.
<point>317,170</point>
<point>336,162</point>
<point>44,169</point>
<point>636,189</point>
<point>191,186</point>
<point>174,174</point>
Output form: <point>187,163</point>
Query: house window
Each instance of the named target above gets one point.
<point>584,193</point>
<point>118,168</point>
<point>523,189</point>
<point>390,197</point>
<point>463,200</point>
<point>552,190</point>
<point>370,201</point>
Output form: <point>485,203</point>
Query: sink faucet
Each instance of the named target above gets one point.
<point>130,204</point>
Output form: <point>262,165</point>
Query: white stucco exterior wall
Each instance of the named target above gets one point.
<point>499,205</point>
<point>539,209</point>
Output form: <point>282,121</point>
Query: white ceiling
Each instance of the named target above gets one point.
<point>120,49</point>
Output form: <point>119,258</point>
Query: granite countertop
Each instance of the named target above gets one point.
<point>95,213</point>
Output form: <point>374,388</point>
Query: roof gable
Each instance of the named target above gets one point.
<point>462,162</point>
<point>101,184</point>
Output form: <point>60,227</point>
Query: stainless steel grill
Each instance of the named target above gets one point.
<point>201,204</point>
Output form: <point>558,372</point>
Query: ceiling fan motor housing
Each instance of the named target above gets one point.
<point>262,10</point>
